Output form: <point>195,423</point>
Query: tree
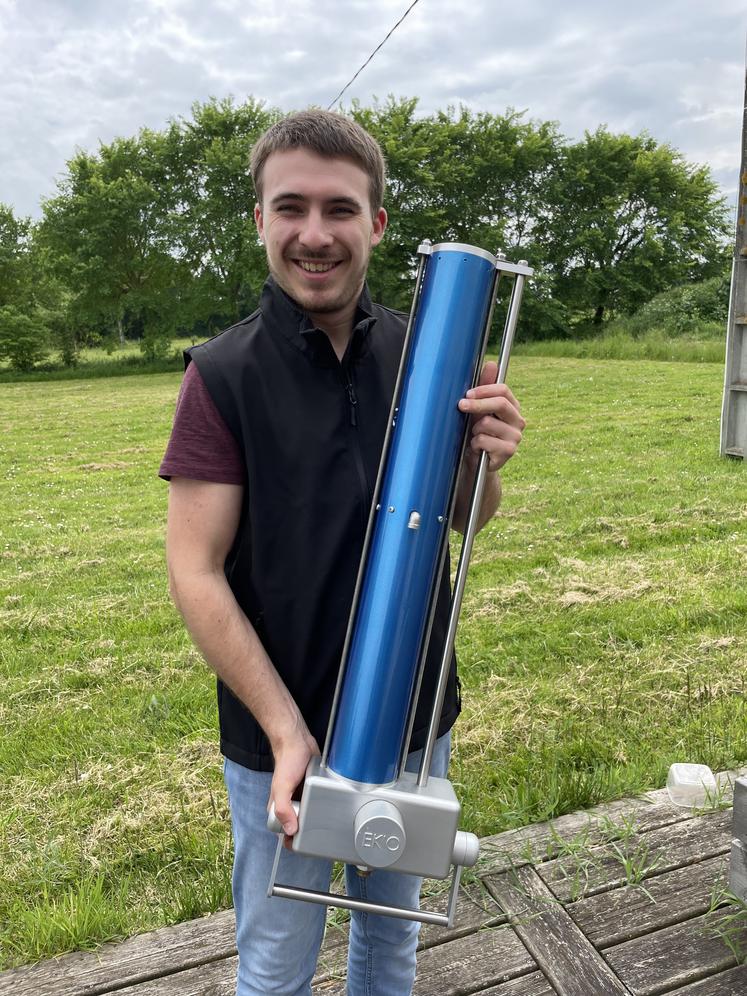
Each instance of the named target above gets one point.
<point>455,176</point>
<point>628,218</point>
<point>107,233</point>
<point>30,300</point>
<point>211,225</point>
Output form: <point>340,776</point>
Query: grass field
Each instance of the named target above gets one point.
<point>604,636</point>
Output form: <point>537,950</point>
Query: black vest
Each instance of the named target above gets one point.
<point>311,430</point>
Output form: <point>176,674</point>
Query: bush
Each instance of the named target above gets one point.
<point>24,338</point>
<point>698,310</point>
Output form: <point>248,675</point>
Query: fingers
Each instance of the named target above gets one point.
<point>497,423</point>
<point>291,762</point>
<point>284,811</point>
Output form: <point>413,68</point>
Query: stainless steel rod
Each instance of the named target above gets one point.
<point>364,905</point>
<point>470,532</point>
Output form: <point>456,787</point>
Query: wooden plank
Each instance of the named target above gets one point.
<point>216,979</point>
<point>732,983</point>
<point>472,963</point>
<point>112,966</point>
<point>566,957</point>
<point>476,908</point>
<point>740,810</point>
<point>534,984</point>
<point>738,869</point>
<point>674,956</point>
<point>500,852</point>
<point>617,916</point>
<point>603,868</point>
<point>468,964</point>
<point>542,841</point>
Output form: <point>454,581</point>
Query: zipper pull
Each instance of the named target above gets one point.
<point>352,400</point>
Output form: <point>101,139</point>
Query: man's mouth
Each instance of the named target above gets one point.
<point>314,267</point>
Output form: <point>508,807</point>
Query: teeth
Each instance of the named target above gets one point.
<point>315,267</point>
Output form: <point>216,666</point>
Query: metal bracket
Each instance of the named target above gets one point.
<point>365,905</point>
<point>521,268</point>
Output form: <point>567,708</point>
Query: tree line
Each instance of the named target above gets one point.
<point>152,236</point>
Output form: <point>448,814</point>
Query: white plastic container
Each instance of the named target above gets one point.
<point>691,785</point>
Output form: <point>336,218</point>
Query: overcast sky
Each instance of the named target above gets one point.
<point>79,72</point>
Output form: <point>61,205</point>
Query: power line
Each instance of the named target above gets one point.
<point>333,102</point>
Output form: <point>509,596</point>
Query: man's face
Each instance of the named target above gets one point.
<point>316,225</point>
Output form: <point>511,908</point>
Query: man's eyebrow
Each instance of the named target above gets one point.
<point>287,196</point>
<point>349,201</point>
<point>290,195</point>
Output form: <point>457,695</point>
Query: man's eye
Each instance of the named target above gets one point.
<point>342,210</point>
<point>288,209</point>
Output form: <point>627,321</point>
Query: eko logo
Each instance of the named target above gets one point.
<point>382,841</point>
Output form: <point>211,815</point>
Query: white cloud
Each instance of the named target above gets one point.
<point>77,74</point>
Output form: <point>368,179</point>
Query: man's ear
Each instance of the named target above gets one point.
<point>259,222</point>
<point>379,226</point>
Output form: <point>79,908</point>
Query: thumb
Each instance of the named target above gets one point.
<point>488,374</point>
<point>284,810</point>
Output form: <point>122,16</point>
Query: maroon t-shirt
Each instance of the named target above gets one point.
<point>201,445</point>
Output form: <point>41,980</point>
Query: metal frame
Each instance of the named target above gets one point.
<point>364,905</point>
<point>520,271</point>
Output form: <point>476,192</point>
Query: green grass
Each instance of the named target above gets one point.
<point>604,636</point>
<point>124,361</point>
<point>615,344</point>
<point>655,344</point>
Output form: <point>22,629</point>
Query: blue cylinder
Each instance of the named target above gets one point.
<point>399,579</point>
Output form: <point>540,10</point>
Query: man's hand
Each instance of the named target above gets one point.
<point>497,425</point>
<point>292,756</point>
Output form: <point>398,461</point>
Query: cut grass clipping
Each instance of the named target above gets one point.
<point>603,637</point>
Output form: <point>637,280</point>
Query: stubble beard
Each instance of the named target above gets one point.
<point>338,303</point>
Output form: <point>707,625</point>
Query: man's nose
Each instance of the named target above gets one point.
<point>315,233</point>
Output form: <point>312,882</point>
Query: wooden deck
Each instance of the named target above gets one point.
<point>609,902</point>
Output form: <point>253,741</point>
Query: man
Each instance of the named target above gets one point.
<point>272,462</point>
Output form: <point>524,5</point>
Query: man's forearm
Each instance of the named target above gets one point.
<point>491,497</point>
<point>230,645</point>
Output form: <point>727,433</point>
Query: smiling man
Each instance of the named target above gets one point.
<point>272,461</point>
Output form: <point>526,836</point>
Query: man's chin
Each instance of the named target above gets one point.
<point>319,302</point>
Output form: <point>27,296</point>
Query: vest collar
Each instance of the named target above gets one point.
<point>283,315</point>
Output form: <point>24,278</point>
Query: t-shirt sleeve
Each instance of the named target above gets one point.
<point>201,445</point>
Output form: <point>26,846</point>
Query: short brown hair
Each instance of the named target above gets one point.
<point>328,134</point>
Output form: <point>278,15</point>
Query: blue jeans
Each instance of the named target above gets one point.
<point>279,939</point>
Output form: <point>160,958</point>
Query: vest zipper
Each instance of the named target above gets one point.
<point>347,381</point>
<point>352,400</point>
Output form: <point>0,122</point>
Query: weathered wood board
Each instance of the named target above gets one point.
<point>476,908</point>
<point>114,966</point>
<point>631,911</point>
<point>652,853</point>
<point>541,840</point>
<point>731,983</point>
<point>567,958</point>
<point>674,956</point>
<point>534,984</point>
<point>467,964</point>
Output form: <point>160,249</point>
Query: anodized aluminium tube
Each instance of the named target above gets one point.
<point>399,576</point>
